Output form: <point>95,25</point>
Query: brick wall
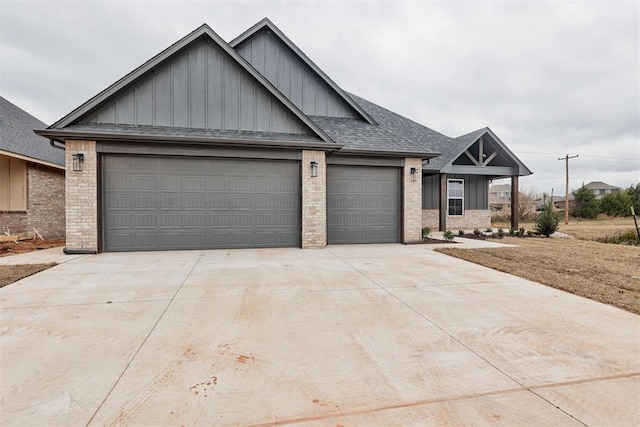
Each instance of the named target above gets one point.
<point>471,219</point>
<point>412,200</point>
<point>46,207</point>
<point>45,204</point>
<point>431,219</point>
<point>314,201</point>
<point>82,198</point>
<point>14,222</point>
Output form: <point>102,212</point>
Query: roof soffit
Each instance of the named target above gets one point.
<point>204,31</point>
<point>265,23</point>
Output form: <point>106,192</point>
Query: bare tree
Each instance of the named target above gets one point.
<point>527,201</point>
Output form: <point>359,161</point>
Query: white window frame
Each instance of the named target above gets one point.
<point>455,197</point>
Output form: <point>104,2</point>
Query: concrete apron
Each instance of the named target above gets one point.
<point>348,335</point>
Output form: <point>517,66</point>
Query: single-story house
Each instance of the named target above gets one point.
<point>249,143</point>
<point>31,176</point>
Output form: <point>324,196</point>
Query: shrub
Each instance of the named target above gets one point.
<point>586,204</point>
<point>521,231</point>
<point>547,222</point>
<point>426,231</point>
<point>634,196</point>
<point>512,232</point>
<point>461,232</point>
<point>448,235</point>
<point>476,232</point>
<point>500,233</point>
<point>616,204</point>
<point>489,230</point>
<point>629,237</point>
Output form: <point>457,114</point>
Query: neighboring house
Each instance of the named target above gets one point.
<point>250,144</point>
<point>500,198</point>
<point>31,176</point>
<point>600,189</point>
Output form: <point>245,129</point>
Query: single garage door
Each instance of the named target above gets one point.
<point>363,204</point>
<point>164,203</point>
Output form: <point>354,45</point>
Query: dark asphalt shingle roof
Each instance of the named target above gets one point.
<point>186,133</point>
<point>449,148</point>
<point>17,136</point>
<point>358,135</point>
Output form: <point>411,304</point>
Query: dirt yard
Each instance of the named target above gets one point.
<point>22,246</point>
<point>603,272</point>
<point>13,273</point>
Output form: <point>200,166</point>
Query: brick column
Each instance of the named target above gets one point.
<point>412,200</point>
<point>81,198</point>
<point>314,200</point>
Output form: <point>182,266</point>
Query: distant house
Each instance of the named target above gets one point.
<point>32,176</point>
<point>500,198</point>
<point>600,189</point>
<point>248,143</point>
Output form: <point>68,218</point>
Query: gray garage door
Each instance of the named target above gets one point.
<point>363,204</point>
<point>163,203</point>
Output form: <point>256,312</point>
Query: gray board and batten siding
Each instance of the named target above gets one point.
<point>363,204</point>
<point>476,191</point>
<point>175,203</point>
<point>297,81</point>
<point>201,88</point>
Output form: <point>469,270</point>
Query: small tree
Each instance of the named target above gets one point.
<point>547,221</point>
<point>526,202</point>
<point>586,204</point>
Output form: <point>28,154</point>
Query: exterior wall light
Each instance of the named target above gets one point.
<point>314,169</point>
<point>78,162</point>
<point>414,174</point>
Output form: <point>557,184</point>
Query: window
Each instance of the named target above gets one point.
<point>455,193</point>
<point>13,184</point>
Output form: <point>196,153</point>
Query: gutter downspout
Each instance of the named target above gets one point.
<point>55,143</point>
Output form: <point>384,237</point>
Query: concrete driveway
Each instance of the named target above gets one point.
<point>348,335</point>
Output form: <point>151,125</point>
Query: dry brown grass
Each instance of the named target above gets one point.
<point>13,273</point>
<point>603,272</point>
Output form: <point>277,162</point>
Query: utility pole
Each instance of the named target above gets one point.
<point>566,193</point>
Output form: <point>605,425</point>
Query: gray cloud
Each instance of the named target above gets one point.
<point>548,77</point>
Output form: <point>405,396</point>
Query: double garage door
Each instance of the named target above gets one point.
<point>172,203</point>
<point>164,203</point>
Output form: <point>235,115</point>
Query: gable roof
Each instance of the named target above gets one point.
<point>449,148</point>
<point>599,185</point>
<point>17,137</point>
<point>203,31</point>
<point>265,23</point>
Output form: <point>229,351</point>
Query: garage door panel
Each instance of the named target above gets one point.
<point>363,204</point>
<point>153,203</point>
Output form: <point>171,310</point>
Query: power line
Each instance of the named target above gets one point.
<point>583,155</point>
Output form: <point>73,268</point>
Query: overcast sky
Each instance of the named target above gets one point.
<point>548,77</point>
